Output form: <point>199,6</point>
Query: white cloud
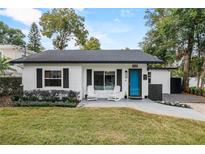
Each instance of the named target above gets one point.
<point>25,16</point>
<point>117,20</point>
<point>79,9</point>
<point>126,13</point>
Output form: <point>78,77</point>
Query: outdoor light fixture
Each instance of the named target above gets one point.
<point>126,74</point>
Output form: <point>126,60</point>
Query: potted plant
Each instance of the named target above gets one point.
<point>125,95</point>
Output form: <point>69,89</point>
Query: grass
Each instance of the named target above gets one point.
<point>56,125</point>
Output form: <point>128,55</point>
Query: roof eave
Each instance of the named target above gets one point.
<point>103,62</point>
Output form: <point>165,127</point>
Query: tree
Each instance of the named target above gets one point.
<point>126,48</point>
<point>11,36</point>
<point>4,65</point>
<point>174,30</point>
<point>63,25</point>
<point>92,44</point>
<point>34,36</point>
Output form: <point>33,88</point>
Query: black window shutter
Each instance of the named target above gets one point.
<point>39,77</point>
<point>65,78</point>
<point>89,77</point>
<point>119,78</point>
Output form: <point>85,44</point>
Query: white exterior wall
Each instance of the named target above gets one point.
<point>77,77</point>
<point>161,77</point>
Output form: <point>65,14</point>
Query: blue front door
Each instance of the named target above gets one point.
<point>134,82</point>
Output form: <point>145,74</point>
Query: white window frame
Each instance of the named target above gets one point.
<point>103,78</point>
<point>52,78</point>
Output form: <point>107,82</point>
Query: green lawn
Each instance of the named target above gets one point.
<point>55,125</point>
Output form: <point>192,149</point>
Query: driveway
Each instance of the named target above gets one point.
<point>196,102</point>
<point>149,106</point>
<point>184,98</point>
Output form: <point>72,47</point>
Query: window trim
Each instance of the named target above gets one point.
<point>44,84</point>
<point>149,77</point>
<point>103,78</point>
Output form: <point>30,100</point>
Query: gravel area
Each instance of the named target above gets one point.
<point>196,102</point>
<point>184,98</point>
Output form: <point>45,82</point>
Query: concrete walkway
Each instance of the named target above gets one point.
<point>149,106</point>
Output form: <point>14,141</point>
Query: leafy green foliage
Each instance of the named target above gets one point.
<point>10,86</point>
<point>10,35</point>
<point>175,30</point>
<point>92,44</point>
<point>63,25</point>
<point>177,72</point>
<point>4,64</point>
<point>49,95</point>
<point>196,65</point>
<point>34,36</point>
<point>196,91</point>
<point>47,98</point>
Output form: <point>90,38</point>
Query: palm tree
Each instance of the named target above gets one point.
<point>4,65</point>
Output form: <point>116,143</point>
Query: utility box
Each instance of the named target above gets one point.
<point>155,92</point>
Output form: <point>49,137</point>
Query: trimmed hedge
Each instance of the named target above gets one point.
<point>10,86</point>
<point>47,98</point>
<point>44,104</point>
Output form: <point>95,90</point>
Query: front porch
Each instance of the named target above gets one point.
<point>132,79</point>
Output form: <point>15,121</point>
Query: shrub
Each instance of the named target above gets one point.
<point>193,90</point>
<point>11,86</point>
<point>47,98</point>
<point>44,104</point>
<point>196,91</point>
<point>199,91</point>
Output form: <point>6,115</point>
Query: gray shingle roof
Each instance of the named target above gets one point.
<point>90,56</point>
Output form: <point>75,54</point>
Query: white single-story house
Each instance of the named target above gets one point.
<point>103,69</point>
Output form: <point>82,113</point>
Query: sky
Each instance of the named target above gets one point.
<point>115,28</point>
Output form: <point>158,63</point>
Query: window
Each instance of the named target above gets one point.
<point>109,80</point>
<point>52,78</point>
<point>99,80</point>
<point>149,77</point>
<point>104,80</point>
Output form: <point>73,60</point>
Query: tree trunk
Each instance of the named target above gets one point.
<point>203,76</point>
<point>199,55</point>
<point>198,79</point>
<point>187,57</point>
<point>186,71</point>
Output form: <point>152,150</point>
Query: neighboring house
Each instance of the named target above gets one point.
<point>76,69</point>
<point>193,82</point>
<point>14,52</point>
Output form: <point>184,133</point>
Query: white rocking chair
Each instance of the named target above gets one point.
<point>115,96</point>
<point>91,95</point>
